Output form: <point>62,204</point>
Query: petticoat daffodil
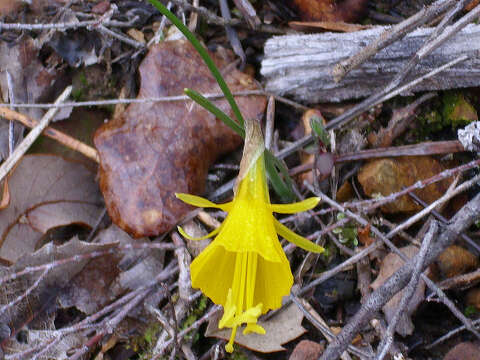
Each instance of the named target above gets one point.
<point>244,268</point>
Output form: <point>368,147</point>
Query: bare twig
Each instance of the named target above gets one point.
<point>407,223</point>
<point>440,217</point>
<point>450,334</point>
<point>421,149</point>
<point>26,292</point>
<point>409,291</point>
<point>161,350</point>
<point>374,203</point>
<point>322,326</point>
<point>62,138</point>
<point>216,20</point>
<point>91,255</point>
<point>137,101</point>
<point>32,136</point>
<point>391,35</point>
<point>461,281</point>
<point>232,33</point>
<point>175,323</point>
<point>64,26</point>
<point>121,37</point>
<point>462,220</point>
<point>11,98</point>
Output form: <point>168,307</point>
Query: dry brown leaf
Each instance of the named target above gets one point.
<point>464,351</point>
<point>456,260</point>
<point>345,192</point>
<point>390,264</point>
<point>157,149</point>
<point>32,338</point>
<point>52,285</point>
<point>136,35</point>
<point>307,350</point>
<point>285,326</point>
<point>9,7</point>
<point>307,158</point>
<point>330,10</point>
<point>46,192</point>
<point>364,235</point>
<point>472,297</point>
<point>383,177</point>
<point>112,273</point>
<point>30,82</point>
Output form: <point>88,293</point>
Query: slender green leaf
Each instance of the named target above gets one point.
<point>317,126</point>
<point>283,187</point>
<point>204,54</point>
<point>208,105</point>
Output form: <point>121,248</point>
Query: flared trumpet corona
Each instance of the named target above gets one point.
<point>244,268</point>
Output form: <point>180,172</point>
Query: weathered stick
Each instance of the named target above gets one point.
<point>22,148</point>
<point>301,65</point>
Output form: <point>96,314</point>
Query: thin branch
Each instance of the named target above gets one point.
<point>22,148</point>
<point>461,221</point>
<point>65,26</point>
<point>409,291</point>
<point>211,18</point>
<point>390,36</point>
<point>323,327</point>
<point>440,217</point>
<point>62,138</point>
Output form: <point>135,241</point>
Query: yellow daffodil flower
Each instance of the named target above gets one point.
<point>244,268</point>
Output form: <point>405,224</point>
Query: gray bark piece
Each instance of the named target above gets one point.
<point>301,65</point>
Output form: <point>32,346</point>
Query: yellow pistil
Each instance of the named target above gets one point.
<point>244,268</point>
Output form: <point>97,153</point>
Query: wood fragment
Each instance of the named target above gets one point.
<point>301,65</point>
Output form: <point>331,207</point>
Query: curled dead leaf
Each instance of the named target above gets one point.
<point>307,349</point>
<point>383,177</point>
<point>456,260</point>
<point>154,150</point>
<point>46,192</point>
<point>345,192</point>
<point>330,10</point>
<point>364,235</point>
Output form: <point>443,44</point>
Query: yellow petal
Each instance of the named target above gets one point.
<point>212,272</point>
<point>249,227</point>
<point>228,312</point>
<point>274,281</point>
<point>254,328</point>
<point>304,205</point>
<point>298,240</point>
<point>209,235</point>
<point>249,316</point>
<point>199,201</point>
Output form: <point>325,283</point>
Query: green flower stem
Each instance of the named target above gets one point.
<point>204,54</point>
<point>208,105</point>
<point>282,188</point>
